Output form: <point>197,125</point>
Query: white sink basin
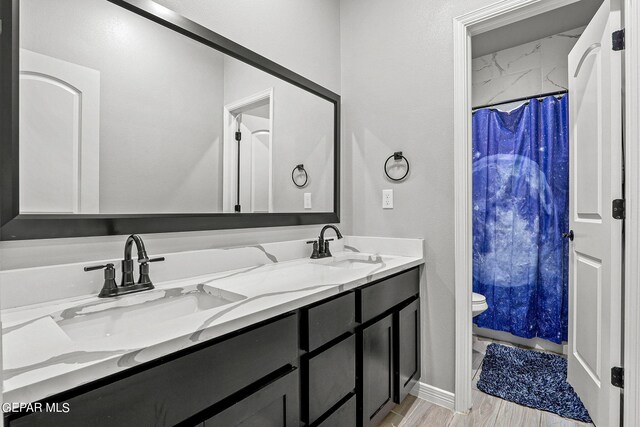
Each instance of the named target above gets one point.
<point>141,311</point>
<point>351,261</point>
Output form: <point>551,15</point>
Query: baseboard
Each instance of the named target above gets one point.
<point>435,395</point>
<point>534,343</point>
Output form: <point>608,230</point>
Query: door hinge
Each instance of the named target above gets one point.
<point>617,39</point>
<point>617,209</point>
<point>617,376</point>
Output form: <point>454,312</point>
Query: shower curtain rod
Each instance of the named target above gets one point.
<point>524,98</point>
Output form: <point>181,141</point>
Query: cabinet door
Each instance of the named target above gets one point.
<point>377,371</point>
<point>345,416</point>
<point>330,376</point>
<point>274,405</point>
<point>407,349</point>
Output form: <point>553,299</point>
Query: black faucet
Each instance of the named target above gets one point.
<point>127,284</point>
<point>321,246</point>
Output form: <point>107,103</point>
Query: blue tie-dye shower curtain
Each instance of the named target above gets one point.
<point>520,209</point>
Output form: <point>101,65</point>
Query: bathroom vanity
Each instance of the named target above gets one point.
<point>269,334</point>
<point>329,342</point>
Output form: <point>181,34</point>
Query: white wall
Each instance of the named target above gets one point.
<point>532,68</point>
<point>397,81</point>
<point>303,36</point>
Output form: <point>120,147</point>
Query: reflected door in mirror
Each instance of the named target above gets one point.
<point>59,131</point>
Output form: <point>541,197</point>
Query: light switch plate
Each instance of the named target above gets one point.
<point>307,200</point>
<point>387,199</point>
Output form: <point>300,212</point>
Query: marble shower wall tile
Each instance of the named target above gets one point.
<point>555,79</point>
<point>556,48</point>
<point>505,86</point>
<point>529,69</point>
<point>509,61</point>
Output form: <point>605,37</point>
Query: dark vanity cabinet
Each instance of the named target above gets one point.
<point>329,362</point>
<point>274,405</point>
<point>343,361</point>
<point>389,342</point>
<point>238,371</point>
<point>407,356</point>
<point>390,361</point>
<point>363,352</point>
<point>377,371</point>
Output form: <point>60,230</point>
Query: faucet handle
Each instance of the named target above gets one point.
<point>146,260</point>
<point>98,267</point>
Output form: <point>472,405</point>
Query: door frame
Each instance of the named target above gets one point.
<point>631,353</point>
<point>229,147</point>
<point>464,28</point>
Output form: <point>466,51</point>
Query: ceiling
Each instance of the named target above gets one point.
<point>547,24</point>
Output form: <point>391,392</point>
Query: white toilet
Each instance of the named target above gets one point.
<point>478,304</point>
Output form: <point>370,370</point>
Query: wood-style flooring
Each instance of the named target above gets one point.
<point>488,411</point>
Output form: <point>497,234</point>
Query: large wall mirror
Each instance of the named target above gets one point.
<point>127,117</point>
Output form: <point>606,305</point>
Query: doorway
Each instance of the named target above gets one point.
<point>583,343</point>
<point>247,153</point>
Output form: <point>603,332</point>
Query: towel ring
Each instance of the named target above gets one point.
<point>396,156</point>
<point>306,176</point>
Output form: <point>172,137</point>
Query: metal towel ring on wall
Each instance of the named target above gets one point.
<point>396,156</point>
<point>306,176</point>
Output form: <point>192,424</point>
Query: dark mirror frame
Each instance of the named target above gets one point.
<point>16,226</point>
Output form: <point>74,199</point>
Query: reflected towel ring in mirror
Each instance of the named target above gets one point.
<point>396,156</point>
<point>302,170</point>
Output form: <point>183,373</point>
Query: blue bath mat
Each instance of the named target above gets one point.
<point>531,378</point>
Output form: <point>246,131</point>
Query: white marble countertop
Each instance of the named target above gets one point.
<point>40,359</point>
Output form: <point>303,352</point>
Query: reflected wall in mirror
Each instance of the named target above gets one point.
<point>121,115</point>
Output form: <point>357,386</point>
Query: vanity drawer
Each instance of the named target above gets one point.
<point>181,385</point>
<point>379,297</point>
<point>331,376</point>
<point>274,405</point>
<point>344,416</point>
<point>328,320</point>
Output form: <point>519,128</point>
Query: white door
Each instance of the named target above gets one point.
<point>254,166</point>
<point>59,136</point>
<point>260,171</point>
<point>595,280</point>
